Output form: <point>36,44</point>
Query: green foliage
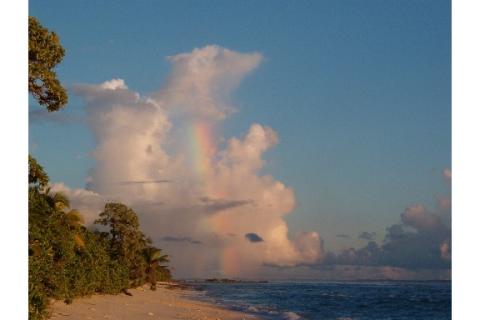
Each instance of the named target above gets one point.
<point>163,273</point>
<point>44,53</point>
<point>37,177</point>
<point>59,201</point>
<point>127,241</point>
<point>67,260</point>
<point>155,271</point>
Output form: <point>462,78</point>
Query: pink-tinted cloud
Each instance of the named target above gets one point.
<point>211,187</point>
<point>447,174</point>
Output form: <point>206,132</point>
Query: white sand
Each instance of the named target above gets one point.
<point>144,304</point>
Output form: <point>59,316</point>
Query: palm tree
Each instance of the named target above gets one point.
<point>75,220</point>
<point>60,202</point>
<point>154,258</point>
<point>73,217</point>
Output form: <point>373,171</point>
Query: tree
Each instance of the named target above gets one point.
<point>59,201</point>
<point>153,256</point>
<point>66,260</point>
<point>37,177</point>
<point>73,218</point>
<point>44,53</point>
<point>127,241</point>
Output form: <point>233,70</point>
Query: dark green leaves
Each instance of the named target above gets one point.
<point>44,53</point>
<point>37,177</point>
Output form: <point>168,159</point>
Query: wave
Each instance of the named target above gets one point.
<point>291,316</point>
<point>345,301</point>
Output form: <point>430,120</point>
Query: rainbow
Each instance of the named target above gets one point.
<point>202,152</point>
<point>202,148</point>
<point>229,258</point>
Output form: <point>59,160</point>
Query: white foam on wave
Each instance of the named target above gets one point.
<point>253,309</point>
<point>291,316</point>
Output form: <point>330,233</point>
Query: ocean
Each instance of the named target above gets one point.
<point>334,300</point>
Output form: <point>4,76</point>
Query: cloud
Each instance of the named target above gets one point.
<point>420,241</point>
<point>144,182</point>
<point>367,235</point>
<point>445,250</point>
<point>417,217</point>
<point>180,239</point>
<point>164,155</point>
<point>59,117</point>
<point>201,81</point>
<point>215,205</point>
<point>253,237</point>
<point>114,84</point>
<point>447,174</point>
<point>417,247</point>
<point>217,187</point>
<point>444,202</point>
<point>88,202</point>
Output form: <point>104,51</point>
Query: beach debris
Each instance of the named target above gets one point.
<point>126,292</point>
<point>150,313</point>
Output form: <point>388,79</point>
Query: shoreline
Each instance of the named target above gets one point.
<point>169,301</point>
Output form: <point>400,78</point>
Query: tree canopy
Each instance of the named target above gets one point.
<point>126,239</point>
<point>37,177</point>
<point>44,53</point>
<point>68,260</point>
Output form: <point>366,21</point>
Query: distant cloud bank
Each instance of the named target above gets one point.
<point>421,240</point>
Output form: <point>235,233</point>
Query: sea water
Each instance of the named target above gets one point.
<point>334,300</point>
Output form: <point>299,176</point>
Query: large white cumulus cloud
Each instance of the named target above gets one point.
<point>162,155</point>
<point>202,80</point>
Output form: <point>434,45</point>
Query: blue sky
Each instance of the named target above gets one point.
<point>358,91</point>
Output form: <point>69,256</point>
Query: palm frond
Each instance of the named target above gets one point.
<point>74,218</point>
<point>155,255</point>
<point>79,241</point>
<point>60,201</point>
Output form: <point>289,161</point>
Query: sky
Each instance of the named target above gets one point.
<point>337,112</point>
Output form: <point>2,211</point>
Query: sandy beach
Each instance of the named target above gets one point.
<point>164,303</point>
